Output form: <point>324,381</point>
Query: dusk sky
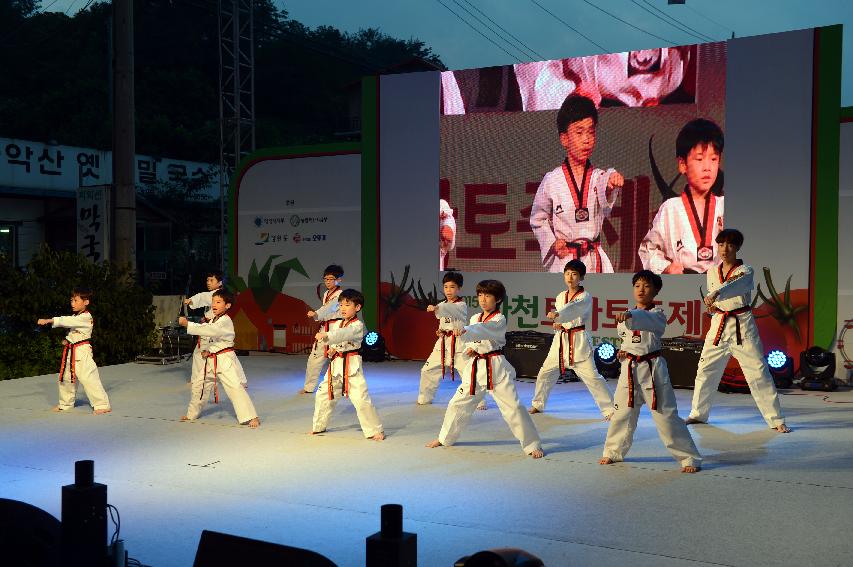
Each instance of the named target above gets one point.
<point>539,35</point>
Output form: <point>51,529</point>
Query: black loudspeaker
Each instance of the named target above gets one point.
<point>223,550</point>
<point>84,519</point>
<point>682,358</point>
<point>526,351</point>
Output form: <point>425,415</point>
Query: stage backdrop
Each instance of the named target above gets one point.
<point>296,211</point>
<point>481,141</point>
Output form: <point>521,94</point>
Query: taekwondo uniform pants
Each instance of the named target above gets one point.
<point>431,373</point>
<point>86,373</point>
<point>671,428</point>
<point>751,359</point>
<point>368,418</point>
<point>463,404</point>
<point>586,371</point>
<point>228,378</point>
<point>316,367</point>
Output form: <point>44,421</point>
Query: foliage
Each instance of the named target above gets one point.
<point>56,76</point>
<point>123,312</point>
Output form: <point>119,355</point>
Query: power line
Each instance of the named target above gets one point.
<point>25,20</point>
<point>528,49</point>
<point>614,16</point>
<point>524,55</point>
<point>701,15</point>
<point>467,23</point>
<point>556,17</point>
<point>669,20</point>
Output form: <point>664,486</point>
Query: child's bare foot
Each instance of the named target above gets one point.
<point>185,418</point>
<point>782,428</point>
<point>254,423</point>
<point>424,403</point>
<point>690,469</point>
<point>318,432</point>
<point>692,420</point>
<point>304,391</point>
<point>56,409</point>
<point>379,436</point>
<point>102,411</point>
<point>434,443</point>
<point>605,461</point>
<point>608,417</point>
<point>533,410</point>
<point>537,454</point>
<point>482,406</point>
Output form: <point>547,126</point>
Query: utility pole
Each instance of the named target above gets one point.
<point>124,137</point>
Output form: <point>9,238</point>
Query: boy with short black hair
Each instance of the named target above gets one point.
<point>572,347</point>
<point>451,314</point>
<point>220,363</point>
<point>326,313</point>
<point>733,333</point>
<point>204,299</point>
<point>573,200</point>
<point>345,374</point>
<point>486,369</point>
<point>77,363</point>
<point>645,379</point>
<point>681,239</point>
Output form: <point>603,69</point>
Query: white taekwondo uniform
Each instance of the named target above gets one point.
<point>645,379</point>
<point>564,209</point>
<point>77,363</point>
<point>572,348</point>
<point>446,354</point>
<point>345,378</point>
<point>488,371</point>
<point>733,332</point>
<point>317,361</point>
<point>220,367</point>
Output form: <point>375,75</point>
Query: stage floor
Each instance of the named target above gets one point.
<point>762,498</point>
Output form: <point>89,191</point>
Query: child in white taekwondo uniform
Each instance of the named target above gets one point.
<point>487,370</point>
<point>220,364</point>
<point>318,360</point>
<point>77,363</point>
<point>345,375</point>
<point>733,332</point>
<point>200,300</point>
<point>573,200</point>
<point>645,379</point>
<point>452,313</point>
<point>446,232</point>
<point>681,239</point>
<point>572,345</point>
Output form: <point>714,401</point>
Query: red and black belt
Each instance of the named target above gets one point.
<point>444,335</point>
<point>487,357</point>
<point>70,350</point>
<point>214,356</point>
<point>324,328</point>
<point>571,333</point>
<point>633,359</point>
<point>346,356</point>
<point>725,315</point>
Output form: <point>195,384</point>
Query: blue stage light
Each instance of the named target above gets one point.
<point>371,338</point>
<point>776,359</point>
<point>606,352</point>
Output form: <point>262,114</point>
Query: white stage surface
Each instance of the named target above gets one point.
<point>762,498</point>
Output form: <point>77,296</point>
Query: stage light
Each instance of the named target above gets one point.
<point>781,368</point>
<point>373,347</point>
<point>817,366</point>
<point>605,360</point>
